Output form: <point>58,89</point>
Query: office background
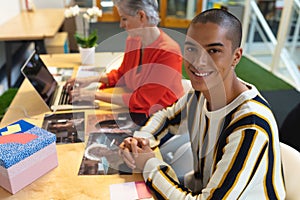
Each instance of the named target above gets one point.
<point>277,96</point>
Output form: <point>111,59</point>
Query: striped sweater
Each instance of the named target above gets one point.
<point>235,149</point>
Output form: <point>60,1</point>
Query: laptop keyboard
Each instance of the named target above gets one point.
<point>64,98</point>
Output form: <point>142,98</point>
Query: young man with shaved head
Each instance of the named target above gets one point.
<point>233,133</point>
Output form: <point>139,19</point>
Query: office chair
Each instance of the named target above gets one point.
<point>291,165</point>
<point>182,161</point>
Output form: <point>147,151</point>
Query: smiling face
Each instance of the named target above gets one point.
<point>209,56</point>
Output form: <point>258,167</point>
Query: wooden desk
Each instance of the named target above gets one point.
<point>20,109</point>
<point>30,26</point>
<point>35,25</point>
<point>63,181</point>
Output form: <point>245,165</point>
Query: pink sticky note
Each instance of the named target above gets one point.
<point>142,190</point>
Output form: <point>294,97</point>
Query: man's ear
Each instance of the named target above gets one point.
<point>238,52</point>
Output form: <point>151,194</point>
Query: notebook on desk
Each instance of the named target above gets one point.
<point>50,91</point>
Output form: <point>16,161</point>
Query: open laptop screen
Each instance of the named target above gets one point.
<point>42,80</point>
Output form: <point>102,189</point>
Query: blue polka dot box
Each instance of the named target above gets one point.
<point>27,152</point>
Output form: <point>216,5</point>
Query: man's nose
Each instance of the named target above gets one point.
<point>201,60</point>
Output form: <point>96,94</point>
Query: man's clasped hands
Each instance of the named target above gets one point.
<point>136,152</point>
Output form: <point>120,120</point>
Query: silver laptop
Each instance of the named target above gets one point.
<point>51,91</point>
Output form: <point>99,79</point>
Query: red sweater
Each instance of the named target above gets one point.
<point>157,82</point>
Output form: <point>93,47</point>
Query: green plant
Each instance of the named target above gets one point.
<point>5,100</point>
<point>84,40</point>
<point>87,41</point>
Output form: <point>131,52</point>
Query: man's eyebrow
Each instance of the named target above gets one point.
<point>189,43</point>
<point>208,45</point>
<point>215,44</point>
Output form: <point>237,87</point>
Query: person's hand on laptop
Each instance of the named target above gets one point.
<point>79,82</point>
<point>82,95</point>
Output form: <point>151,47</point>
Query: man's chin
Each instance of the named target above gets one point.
<point>201,87</point>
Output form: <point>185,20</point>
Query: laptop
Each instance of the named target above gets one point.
<point>50,90</point>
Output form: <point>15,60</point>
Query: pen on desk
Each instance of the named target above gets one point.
<point>112,142</point>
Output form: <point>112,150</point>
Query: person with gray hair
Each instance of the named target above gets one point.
<point>131,7</point>
<point>151,70</point>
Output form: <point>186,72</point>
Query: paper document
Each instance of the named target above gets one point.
<point>86,71</point>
